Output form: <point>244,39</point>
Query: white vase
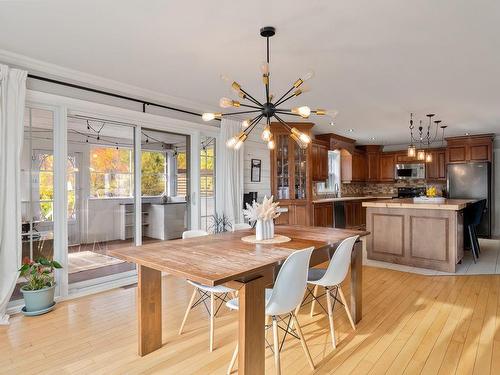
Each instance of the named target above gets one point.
<point>259,230</point>
<point>264,230</point>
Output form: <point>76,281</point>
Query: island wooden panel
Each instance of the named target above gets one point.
<point>423,238</point>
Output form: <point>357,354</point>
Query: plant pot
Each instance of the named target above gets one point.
<point>37,300</point>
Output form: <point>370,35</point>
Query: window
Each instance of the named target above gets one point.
<point>111,172</point>
<point>207,181</point>
<point>46,185</point>
<point>154,173</point>
<point>181,174</point>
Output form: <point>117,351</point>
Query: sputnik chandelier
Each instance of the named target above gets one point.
<point>270,108</point>
<point>424,138</point>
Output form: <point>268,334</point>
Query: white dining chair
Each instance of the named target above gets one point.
<point>281,302</point>
<point>241,226</point>
<point>218,293</point>
<point>331,278</point>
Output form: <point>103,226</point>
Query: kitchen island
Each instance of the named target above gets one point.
<point>426,235</point>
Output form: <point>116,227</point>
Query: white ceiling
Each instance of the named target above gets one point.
<point>375,61</point>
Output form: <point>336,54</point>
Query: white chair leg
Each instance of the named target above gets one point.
<point>313,303</point>
<point>193,296</point>
<point>330,317</point>
<point>303,341</point>
<point>342,297</point>
<point>277,363</point>
<point>233,360</point>
<point>212,318</point>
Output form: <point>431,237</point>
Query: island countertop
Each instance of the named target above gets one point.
<point>449,204</point>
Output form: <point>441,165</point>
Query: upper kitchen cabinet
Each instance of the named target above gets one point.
<point>319,160</point>
<point>352,159</point>
<point>372,158</point>
<point>436,169</point>
<point>469,148</point>
<point>386,166</point>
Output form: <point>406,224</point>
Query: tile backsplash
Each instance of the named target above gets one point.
<point>388,189</point>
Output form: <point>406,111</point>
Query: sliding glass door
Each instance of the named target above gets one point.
<point>101,209</point>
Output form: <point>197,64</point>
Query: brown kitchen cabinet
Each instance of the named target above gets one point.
<point>436,169</point>
<point>291,175</point>
<point>386,166</point>
<point>323,214</point>
<point>353,166</point>
<point>372,166</point>
<point>355,214</point>
<point>469,148</point>
<point>320,160</point>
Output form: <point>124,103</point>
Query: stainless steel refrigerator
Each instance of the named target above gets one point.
<point>472,181</point>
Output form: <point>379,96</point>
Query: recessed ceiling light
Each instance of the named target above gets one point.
<point>372,138</point>
<point>332,123</point>
<point>467,133</point>
<point>350,130</point>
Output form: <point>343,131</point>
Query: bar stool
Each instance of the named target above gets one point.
<point>473,214</point>
<point>330,279</point>
<point>281,301</point>
<point>218,292</point>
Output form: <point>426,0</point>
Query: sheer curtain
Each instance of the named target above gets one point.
<point>229,173</point>
<point>12,101</point>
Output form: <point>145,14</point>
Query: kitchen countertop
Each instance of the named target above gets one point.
<point>340,199</point>
<point>449,204</point>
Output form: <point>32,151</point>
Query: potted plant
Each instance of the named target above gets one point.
<point>38,292</point>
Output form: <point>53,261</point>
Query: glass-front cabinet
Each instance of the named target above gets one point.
<point>291,176</point>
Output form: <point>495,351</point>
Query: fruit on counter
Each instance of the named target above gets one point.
<point>431,191</point>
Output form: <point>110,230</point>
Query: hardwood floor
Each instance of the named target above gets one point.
<point>411,324</point>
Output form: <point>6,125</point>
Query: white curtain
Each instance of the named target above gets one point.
<point>229,173</point>
<point>12,101</point>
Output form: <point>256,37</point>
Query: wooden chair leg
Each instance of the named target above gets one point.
<point>330,317</point>
<point>303,341</point>
<point>212,320</point>
<point>277,363</point>
<point>313,303</point>
<point>342,297</point>
<point>193,296</point>
<point>233,360</point>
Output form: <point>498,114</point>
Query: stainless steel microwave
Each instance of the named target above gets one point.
<point>415,171</point>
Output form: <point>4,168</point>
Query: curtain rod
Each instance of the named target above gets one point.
<point>119,96</point>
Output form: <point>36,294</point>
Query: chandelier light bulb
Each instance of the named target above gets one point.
<point>412,151</point>
<point>304,138</point>
<point>231,142</point>
<point>241,138</point>
<point>428,158</point>
<point>209,116</point>
<point>226,103</point>
<point>266,134</point>
<point>271,145</point>
<point>307,76</point>
<point>245,124</point>
<point>303,111</point>
<point>264,68</point>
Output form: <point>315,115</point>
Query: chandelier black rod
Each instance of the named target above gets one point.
<point>284,100</point>
<point>278,102</point>
<point>250,97</point>
<point>249,106</point>
<point>288,113</point>
<point>287,127</point>
<point>253,124</point>
<point>239,113</point>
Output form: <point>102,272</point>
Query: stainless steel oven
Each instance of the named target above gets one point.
<point>414,171</point>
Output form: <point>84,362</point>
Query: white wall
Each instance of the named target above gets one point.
<point>255,148</point>
<point>496,188</point>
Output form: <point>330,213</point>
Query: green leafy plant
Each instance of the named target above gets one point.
<point>220,223</point>
<point>39,274</point>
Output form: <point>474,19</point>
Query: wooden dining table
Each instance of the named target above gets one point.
<point>224,259</point>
